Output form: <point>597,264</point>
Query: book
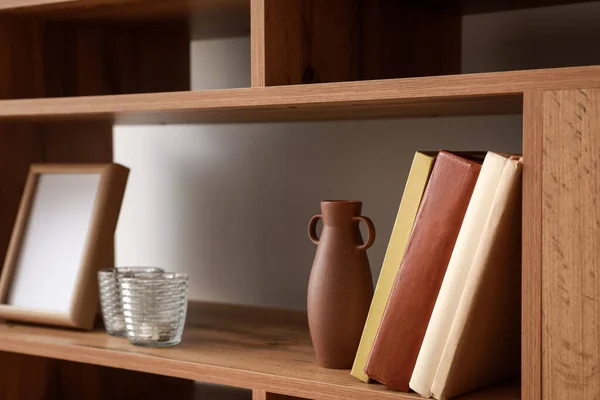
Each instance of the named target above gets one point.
<point>456,274</point>
<point>417,283</point>
<point>483,346</point>
<point>416,182</point>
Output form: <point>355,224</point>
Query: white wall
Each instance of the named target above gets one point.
<point>220,63</point>
<point>229,203</point>
<point>560,36</point>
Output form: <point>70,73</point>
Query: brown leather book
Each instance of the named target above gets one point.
<point>416,286</point>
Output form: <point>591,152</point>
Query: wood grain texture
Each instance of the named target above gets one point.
<point>571,245</point>
<point>28,377</point>
<point>241,346</point>
<point>211,391</point>
<point>20,50</point>
<point>257,43</point>
<point>531,294</point>
<point>405,38</point>
<point>469,94</point>
<point>262,395</point>
<point>78,142</point>
<point>55,59</point>
<point>507,391</point>
<point>95,58</point>
<point>75,381</point>
<point>125,10</point>
<point>312,41</point>
<point>160,9</point>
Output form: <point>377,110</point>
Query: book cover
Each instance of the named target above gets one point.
<point>416,182</point>
<point>456,274</point>
<point>483,345</point>
<point>416,286</point>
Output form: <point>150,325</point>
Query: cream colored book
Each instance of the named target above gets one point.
<point>411,199</point>
<point>483,346</point>
<point>456,275</point>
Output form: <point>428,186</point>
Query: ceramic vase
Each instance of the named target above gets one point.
<point>340,287</point>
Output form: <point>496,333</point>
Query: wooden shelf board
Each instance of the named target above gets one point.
<point>241,346</point>
<point>468,94</point>
<point>130,8</point>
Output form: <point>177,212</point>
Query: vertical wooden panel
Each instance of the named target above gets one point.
<point>26,377</point>
<point>257,43</point>
<point>93,58</point>
<point>20,69</point>
<point>54,59</point>
<point>309,41</point>
<point>91,382</point>
<point>404,39</point>
<point>263,395</point>
<point>79,142</point>
<point>571,245</point>
<point>531,294</point>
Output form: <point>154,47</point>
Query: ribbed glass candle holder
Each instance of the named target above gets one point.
<point>154,307</point>
<point>110,296</point>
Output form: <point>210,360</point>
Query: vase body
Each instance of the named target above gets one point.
<point>340,287</point>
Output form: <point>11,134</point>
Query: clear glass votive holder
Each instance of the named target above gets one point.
<point>110,296</point>
<point>154,307</point>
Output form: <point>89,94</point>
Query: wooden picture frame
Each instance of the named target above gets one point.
<point>63,233</point>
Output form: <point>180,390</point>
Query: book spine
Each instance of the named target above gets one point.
<point>407,212</point>
<point>418,281</point>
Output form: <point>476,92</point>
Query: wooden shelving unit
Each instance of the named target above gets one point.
<point>72,68</point>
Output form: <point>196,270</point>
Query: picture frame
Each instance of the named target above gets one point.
<point>63,233</point>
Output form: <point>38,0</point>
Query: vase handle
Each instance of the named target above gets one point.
<point>312,228</point>
<point>370,229</point>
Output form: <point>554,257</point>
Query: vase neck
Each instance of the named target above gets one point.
<point>340,212</point>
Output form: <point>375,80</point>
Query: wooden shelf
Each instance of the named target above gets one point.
<point>241,346</point>
<point>469,94</point>
<point>125,8</point>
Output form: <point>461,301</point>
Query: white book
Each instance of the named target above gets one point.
<point>456,275</point>
<point>483,346</point>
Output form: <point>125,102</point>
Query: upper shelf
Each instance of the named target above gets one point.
<point>241,346</point>
<point>469,94</point>
<point>126,9</point>
<point>116,9</point>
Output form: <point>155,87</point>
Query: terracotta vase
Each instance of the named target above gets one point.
<point>340,288</point>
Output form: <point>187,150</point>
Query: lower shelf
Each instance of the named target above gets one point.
<point>240,346</point>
